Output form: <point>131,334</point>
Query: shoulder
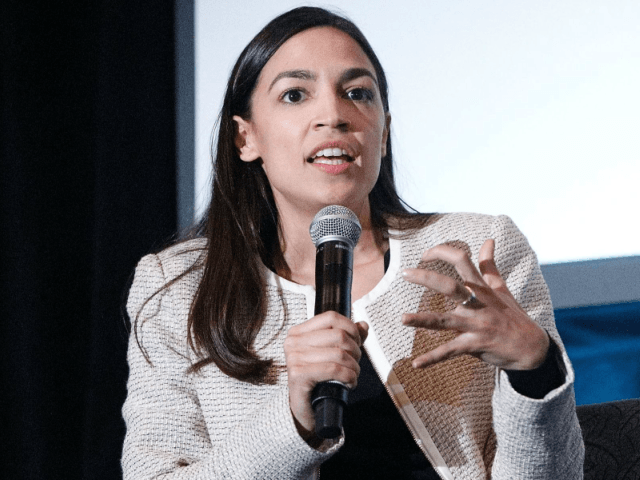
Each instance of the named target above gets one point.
<point>464,224</point>
<point>174,260</point>
<point>177,267</point>
<point>468,232</point>
<point>182,256</point>
<point>471,229</point>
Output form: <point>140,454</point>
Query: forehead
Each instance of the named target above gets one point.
<point>317,49</point>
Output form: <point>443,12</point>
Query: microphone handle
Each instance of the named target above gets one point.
<point>334,275</point>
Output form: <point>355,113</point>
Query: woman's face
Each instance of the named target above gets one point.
<point>317,123</point>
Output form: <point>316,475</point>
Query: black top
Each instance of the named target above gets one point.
<point>378,444</point>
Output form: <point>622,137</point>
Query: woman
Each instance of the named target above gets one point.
<point>471,381</point>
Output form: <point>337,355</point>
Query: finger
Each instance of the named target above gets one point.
<point>332,338</point>
<point>324,356</point>
<point>449,350</point>
<point>319,364</point>
<point>309,374</point>
<point>327,320</point>
<point>438,321</point>
<point>487,264</point>
<point>363,329</point>
<point>456,257</point>
<point>437,282</point>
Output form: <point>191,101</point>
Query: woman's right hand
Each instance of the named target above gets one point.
<point>325,347</point>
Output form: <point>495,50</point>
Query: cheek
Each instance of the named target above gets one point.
<point>279,138</point>
<point>376,123</point>
<point>376,139</point>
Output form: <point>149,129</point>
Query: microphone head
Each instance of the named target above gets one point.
<point>335,222</point>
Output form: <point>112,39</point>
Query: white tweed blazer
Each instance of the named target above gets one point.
<point>465,416</point>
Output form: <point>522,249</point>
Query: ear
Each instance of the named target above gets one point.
<point>385,134</point>
<point>244,140</point>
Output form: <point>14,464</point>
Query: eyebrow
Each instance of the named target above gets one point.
<point>301,74</point>
<point>354,73</point>
<point>347,75</point>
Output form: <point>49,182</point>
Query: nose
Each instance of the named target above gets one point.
<point>332,112</point>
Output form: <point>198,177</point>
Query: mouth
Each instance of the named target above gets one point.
<point>331,156</point>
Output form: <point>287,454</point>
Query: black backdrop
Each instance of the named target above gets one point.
<point>88,185</point>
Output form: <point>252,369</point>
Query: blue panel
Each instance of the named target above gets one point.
<point>603,343</point>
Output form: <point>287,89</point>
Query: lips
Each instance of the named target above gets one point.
<point>333,168</point>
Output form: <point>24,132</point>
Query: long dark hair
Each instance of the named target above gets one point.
<point>242,225</point>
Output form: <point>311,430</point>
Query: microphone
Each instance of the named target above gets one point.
<point>335,231</point>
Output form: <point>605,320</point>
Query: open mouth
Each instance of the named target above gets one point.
<point>331,156</point>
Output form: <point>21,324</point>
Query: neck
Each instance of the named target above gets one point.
<point>300,252</point>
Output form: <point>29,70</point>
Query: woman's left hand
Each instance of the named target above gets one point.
<point>492,327</point>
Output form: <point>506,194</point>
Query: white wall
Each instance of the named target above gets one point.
<point>528,108</point>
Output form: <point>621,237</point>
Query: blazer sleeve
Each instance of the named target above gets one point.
<point>536,439</point>
<point>167,434</point>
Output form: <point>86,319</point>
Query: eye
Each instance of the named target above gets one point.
<point>360,94</point>
<point>295,95</point>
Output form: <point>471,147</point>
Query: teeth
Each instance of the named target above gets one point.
<point>326,161</point>
<point>331,152</point>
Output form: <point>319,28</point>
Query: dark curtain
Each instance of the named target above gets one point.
<point>611,433</point>
<point>87,186</point>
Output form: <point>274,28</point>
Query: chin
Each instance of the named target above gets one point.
<point>359,206</point>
